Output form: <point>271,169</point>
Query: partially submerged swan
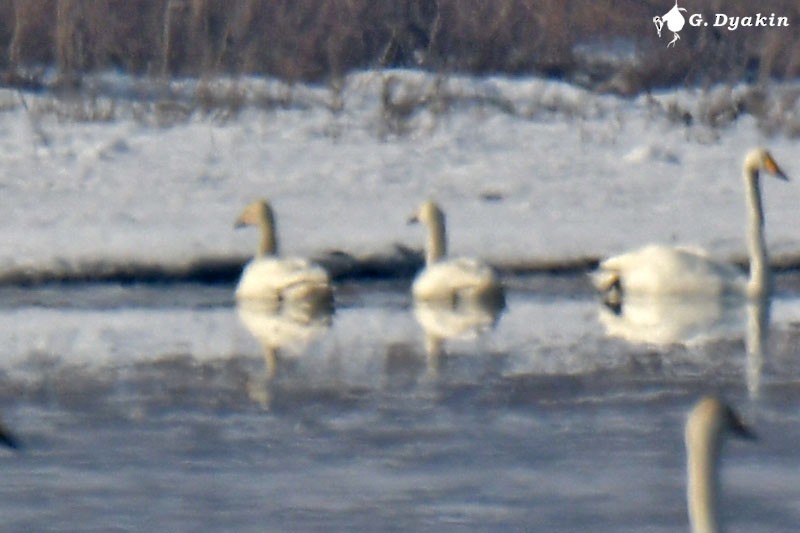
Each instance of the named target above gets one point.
<point>449,281</point>
<point>272,278</point>
<point>663,270</point>
<point>708,422</point>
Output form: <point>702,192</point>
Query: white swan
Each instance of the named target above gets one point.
<point>269,277</point>
<point>449,281</point>
<point>662,270</point>
<point>708,422</point>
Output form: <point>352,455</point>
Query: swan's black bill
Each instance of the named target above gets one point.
<point>9,440</point>
<point>772,167</point>
<point>738,428</point>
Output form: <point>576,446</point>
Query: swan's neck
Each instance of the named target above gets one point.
<point>436,248</point>
<point>703,451</point>
<point>268,244</point>
<point>758,315</point>
<point>759,283</point>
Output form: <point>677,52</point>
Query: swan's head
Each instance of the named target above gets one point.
<point>711,418</point>
<point>428,213</point>
<point>255,214</point>
<point>759,159</point>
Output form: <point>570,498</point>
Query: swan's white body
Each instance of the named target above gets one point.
<point>670,270</point>
<point>451,280</point>
<point>272,278</point>
<point>455,279</point>
<point>675,270</point>
<point>288,279</point>
<point>706,425</point>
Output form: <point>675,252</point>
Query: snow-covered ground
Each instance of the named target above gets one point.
<point>527,171</point>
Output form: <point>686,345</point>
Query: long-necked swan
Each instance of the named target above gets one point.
<point>661,269</point>
<point>445,280</point>
<point>708,422</point>
<point>269,277</point>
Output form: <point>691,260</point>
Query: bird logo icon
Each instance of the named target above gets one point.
<point>674,20</point>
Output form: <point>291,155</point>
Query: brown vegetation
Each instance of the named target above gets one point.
<point>323,39</point>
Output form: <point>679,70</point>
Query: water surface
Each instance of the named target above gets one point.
<point>149,406</point>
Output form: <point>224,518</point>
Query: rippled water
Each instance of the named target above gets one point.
<point>150,408</point>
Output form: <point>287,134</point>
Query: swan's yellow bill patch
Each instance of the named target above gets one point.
<point>772,167</point>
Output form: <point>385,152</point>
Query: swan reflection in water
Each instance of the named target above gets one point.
<point>455,320</point>
<point>692,321</point>
<point>664,321</point>
<point>282,329</point>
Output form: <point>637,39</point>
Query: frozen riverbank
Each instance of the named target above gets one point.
<point>530,172</point>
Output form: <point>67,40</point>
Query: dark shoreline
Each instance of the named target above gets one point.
<point>400,264</point>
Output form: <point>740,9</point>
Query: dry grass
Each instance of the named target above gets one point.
<point>324,39</point>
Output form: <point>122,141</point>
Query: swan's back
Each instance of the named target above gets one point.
<point>660,269</point>
<point>457,279</point>
<point>283,279</point>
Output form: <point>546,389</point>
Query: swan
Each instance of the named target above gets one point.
<point>272,278</point>
<point>707,423</point>
<point>449,281</point>
<point>663,270</point>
